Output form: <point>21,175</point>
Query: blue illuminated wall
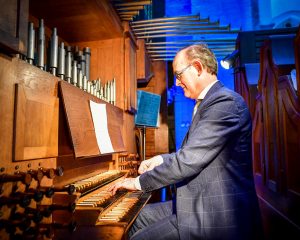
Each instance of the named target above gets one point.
<point>246,15</point>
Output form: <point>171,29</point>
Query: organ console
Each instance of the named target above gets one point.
<point>96,208</point>
<point>53,174</point>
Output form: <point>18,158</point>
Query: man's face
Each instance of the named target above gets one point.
<point>186,76</point>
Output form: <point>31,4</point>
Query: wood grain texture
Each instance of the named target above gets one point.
<point>248,92</point>
<point>130,74</point>
<point>13,26</point>
<point>35,124</point>
<point>276,134</point>
<point>79,20</point>
<point>39,86</point>
<point>34,83</point>
<point>143,63</point>
<point>80,122</point>
<point>107,62</point>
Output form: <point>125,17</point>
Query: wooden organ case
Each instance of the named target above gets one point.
<point>273,98</point>
<point>98,214</point>
<point>53,176</point>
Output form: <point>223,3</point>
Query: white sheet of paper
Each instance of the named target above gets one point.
<point>99,116</point>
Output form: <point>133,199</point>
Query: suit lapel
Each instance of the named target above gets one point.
<point>196,118</point>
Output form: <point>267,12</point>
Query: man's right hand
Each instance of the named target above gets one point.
<point>149,164</point>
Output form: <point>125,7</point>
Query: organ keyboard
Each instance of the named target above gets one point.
<point>100,215</point>
<point>87,185</point>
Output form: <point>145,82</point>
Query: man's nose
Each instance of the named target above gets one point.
<point>177,83</point>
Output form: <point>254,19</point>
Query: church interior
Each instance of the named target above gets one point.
<point>63,62</point>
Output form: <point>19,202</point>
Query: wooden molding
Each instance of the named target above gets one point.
<point>35,124</point>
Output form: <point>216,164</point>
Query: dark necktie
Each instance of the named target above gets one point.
<point>198,101</point>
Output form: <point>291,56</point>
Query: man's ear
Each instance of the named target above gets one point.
<point>199,67</point>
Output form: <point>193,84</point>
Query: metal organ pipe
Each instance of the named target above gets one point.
<point>31,41</point>
<point>61,61</point>
<point>68,69</point>
<point>74,73</point>
<point>87,54</point>
<point>41,45</point>
<point>53,51</point>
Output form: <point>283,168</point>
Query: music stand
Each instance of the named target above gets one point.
<point>148,105</point>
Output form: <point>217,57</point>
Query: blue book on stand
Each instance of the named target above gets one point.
<point>147,109</point>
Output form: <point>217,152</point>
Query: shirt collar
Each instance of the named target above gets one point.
<point>205,90</point>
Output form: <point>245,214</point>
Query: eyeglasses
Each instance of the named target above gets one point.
<point>178,74</point>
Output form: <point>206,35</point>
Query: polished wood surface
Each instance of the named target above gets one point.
<point>107,62</point>
<point>79,20</point>
<point>13,26</point>
<point>130,70</point>
<point>143,64</point>
<point>276,134</point>
<point>35,118</point>
<point>111,59</point>
<point>41,102</point>
<point>80,122</point>
<point>36,124</point>
<point>16,79</point>
<point>248,92</point>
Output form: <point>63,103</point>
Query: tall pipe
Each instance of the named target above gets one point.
<point>61,61</point>
<point>114,91</point>
<point>31,38</point>
<point>74,73</point>
<point>84,81</point>
<point>41,45</point>
<point>68,63</point>
<point>53,51</point>
<point>81,61</point>
<point>79,78</point>
<point>87,54</point>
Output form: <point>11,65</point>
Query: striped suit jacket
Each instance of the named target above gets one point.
<point>215,197</point>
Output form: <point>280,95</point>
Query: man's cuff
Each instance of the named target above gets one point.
<point>137,183</point>
<point>159,159</point>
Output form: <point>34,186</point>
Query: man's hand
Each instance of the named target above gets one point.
<point>127,183</point>
<point>149,164</point>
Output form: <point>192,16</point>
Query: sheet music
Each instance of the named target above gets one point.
<point>99,117</point>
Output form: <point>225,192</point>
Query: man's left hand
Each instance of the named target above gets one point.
<point>127,183</point>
